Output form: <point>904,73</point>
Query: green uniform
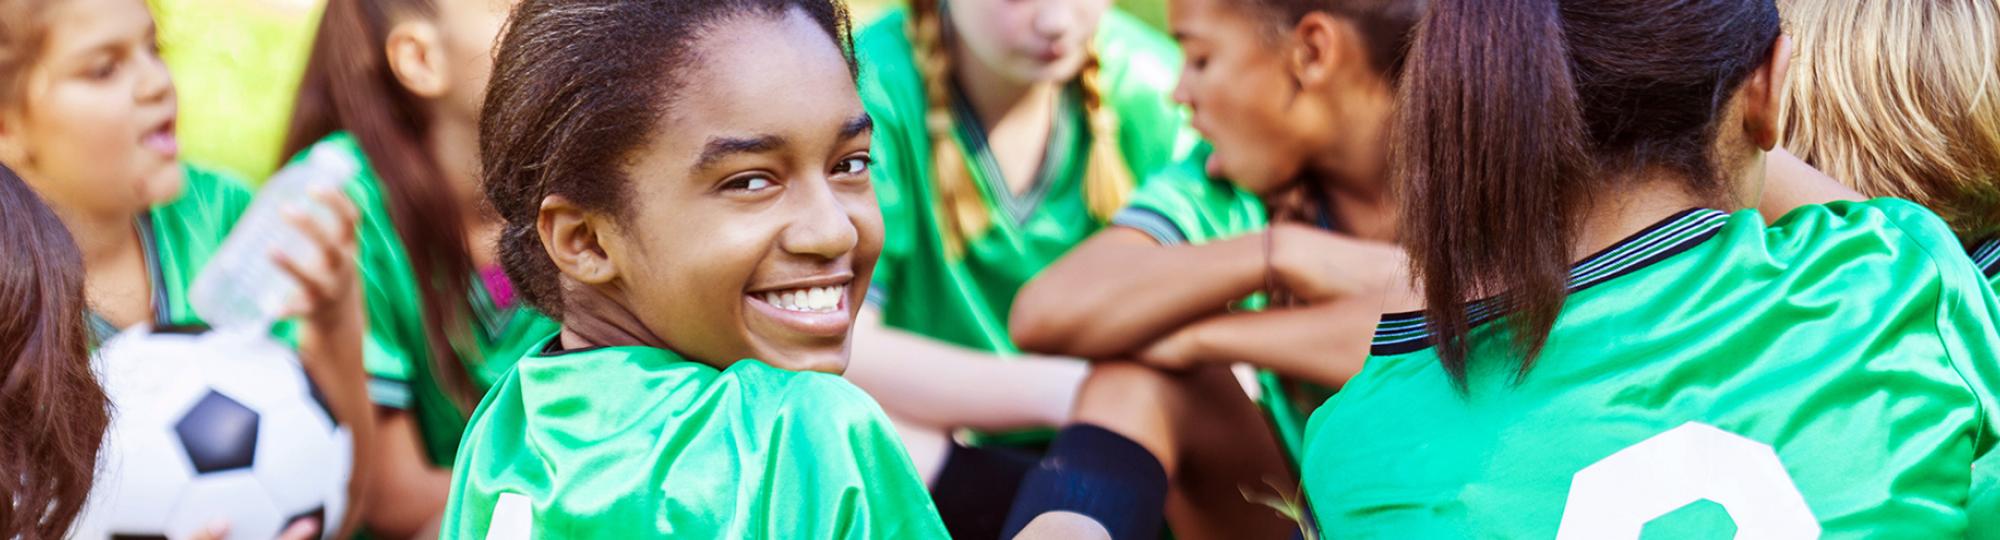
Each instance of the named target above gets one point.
<point>635,442</point>
<point>965,299</point>
<point>179,237</point>
<point>396,350</point>
<point>1831,374</point>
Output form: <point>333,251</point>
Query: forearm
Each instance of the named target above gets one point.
<point>1120,290</point>
<point>1790,182</point>
<point>1324,344</point>
<point>944,386</point>
<point>331,351</point>
<point>410,493</point>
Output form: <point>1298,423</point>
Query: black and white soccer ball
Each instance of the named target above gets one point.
<point>213,427</point>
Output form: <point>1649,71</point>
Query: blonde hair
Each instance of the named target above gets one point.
<point>1902,99</point>
<point>1107,180</point>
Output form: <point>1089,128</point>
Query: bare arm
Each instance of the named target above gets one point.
<point>940,385</point>
<point>1790,183</point>
<point>1324,344</point>
<point>1120,290</point>
<point>409,493</point>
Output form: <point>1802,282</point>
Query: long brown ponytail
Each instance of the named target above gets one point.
<point>52,411</point>
<point>349,86</point>
<point>1108,180</point>
<point>1515,114</point>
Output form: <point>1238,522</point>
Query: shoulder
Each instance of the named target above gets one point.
<point>1180,203</point>
<point>795,398</point>
<point>1909,240</point>
<point>1136,58</point>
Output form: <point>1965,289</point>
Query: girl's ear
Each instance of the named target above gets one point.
<point>1765,96</point>
<point>415,49</point>
<point>1322,46</point>
<point>570,236</point>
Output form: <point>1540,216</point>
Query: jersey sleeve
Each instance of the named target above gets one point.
<point>842,469</point>
<point>1968,317</point>
<point>1181,205</point>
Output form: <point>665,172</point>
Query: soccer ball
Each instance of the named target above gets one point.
<point>213,427</point>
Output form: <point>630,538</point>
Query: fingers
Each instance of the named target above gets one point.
<point>304,529</point>
<point>328,273</point>
<point>214,531</point>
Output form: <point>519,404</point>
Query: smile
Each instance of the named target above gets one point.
<point>807,300</point>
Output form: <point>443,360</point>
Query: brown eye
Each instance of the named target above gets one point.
<point>751,184</point>
<point>854,165</point>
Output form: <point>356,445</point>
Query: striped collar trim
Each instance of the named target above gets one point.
<point>1987,256</point>
<point>1401,333</point>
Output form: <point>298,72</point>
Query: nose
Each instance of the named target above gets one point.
<point>155,83</point>
<point>1055,18</point>
<point>1183,87</point>
<point>822,227</point>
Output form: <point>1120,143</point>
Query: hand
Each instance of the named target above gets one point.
<point>304,529</point>
<point>1318,266</point>
<point>1177,351</point>
<point>328,281</point>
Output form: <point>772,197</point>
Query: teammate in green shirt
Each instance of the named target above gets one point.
<point>1900,100</point>
<point>87,113</point>
<point>705,231</point>
<point>1693,373</point>
<point>1007,132</point>
<point>397,85</point>
<point>1316,151</point>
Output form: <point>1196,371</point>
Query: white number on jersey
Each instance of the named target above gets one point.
<point>513,518</point>
<point>1618,495</point>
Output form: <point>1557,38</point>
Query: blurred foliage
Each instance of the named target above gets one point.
<point>236,66</point>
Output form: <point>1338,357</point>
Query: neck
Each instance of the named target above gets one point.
<point>101,239</point>
<point>1366,213</point>
<point>454,147</point>
<point>592,318</point>
<point>1641,202</point>
<point>993,96</point>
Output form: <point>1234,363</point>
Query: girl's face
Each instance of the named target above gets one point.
<point>1233,63</point>
<point>93,130</point>
<point>752,229</point>
<point>1028,41</point>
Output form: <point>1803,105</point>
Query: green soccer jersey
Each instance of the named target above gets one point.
<point>1831,374</point>
<point>179,237</point>
<point>965,298</point>
<point>636,442</point>
<point>396,350</point>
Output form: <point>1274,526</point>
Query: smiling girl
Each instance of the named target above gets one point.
<point>705,231</point>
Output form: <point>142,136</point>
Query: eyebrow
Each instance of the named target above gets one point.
<point>861,124</point>
<point>720,148</point>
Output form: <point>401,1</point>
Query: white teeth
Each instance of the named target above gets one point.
<point>814,299</point>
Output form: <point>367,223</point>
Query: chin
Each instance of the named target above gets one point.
<point>165,186</point>
<point>833,362</point>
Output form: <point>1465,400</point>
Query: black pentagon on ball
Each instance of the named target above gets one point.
<point>219,434</point>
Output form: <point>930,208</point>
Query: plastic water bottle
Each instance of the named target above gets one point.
<point>242,285</point>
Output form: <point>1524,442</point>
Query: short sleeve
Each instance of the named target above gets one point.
<point>1181,205</point>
